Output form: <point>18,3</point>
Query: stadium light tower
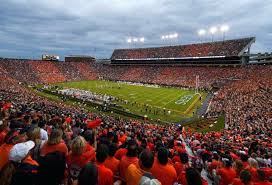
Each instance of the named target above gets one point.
<point>224,29</point>
<point>142,39</point>
<point>129,40</point>
<point>201,33</point>
<point>213,30</point>
<point>135,40</point>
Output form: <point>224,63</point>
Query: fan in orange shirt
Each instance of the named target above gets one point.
<point>3,130</point>
<point>129,158</point>
<point>54,143</point>
<point>136,171</point>
<point>181,166</point>
<point>245,179</point>
<point>162,167</point>
<point>111,162</point>
<point>11,139</point>
<point>227,173</point>
<point>78,157</point>
<point>105,175</point>
<point>262,180</point>
<point>192,177</point>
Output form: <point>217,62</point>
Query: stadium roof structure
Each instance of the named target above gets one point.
<point>209,50</point>
<point>80,56</point>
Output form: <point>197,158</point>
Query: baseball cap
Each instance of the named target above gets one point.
<point>20,151</point>
<point>148,179</point>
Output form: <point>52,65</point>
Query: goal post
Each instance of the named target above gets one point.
<point>197,84</point>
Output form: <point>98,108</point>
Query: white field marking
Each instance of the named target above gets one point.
<point>173,99</point>
<point>161,100</point>
<point>184,99</point>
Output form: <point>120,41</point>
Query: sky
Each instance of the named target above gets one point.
<point>30,28</point>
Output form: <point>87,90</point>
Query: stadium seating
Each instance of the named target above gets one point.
<point>212,49</point>
<point>245,100</point>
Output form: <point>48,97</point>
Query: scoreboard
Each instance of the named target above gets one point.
<point>50,57</point>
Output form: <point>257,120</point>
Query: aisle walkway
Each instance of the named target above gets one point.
<point>190,153</point>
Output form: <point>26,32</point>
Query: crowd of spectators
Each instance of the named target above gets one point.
<point>44,142</point>
<point>221,48</point>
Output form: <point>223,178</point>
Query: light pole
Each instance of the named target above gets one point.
<point>213,30</point>
<point>201,33</point>
<point>224,29</point>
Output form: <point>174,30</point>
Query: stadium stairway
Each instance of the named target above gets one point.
<point>202,110</point>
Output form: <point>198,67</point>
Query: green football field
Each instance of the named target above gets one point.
<point>163,103</point>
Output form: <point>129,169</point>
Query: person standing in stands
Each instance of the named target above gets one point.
<point>105,175</point>
<point>129,158</point>
<point>54,143</point>
<point>10,140</point>
<point>25,168</point>
<point>3,130</point>
<point>52,169</point>
<point>136,171</point>
<point>111,162</point>
<point>245,179</point>
<point>88,175</point>
<point>226,174</point>
<point>162,167</point>
<point>193,177</point>
<point>78,157</point>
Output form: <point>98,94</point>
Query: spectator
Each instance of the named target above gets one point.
<point>52,169</point>
<point>161,167</point>
<point>54,143</point>
<point>88,175</point>
<point>135,172</point>
<point>105,175</point>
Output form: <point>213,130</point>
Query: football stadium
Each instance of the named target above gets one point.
<point>172,113</point>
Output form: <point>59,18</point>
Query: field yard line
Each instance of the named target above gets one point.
<point>166,97</point>
<point>143,97</point>
<point>173,100</point>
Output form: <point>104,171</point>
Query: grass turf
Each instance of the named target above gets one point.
<point>139,96</point>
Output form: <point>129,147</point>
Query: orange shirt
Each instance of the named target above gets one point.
<point>120,153</point>
<point>31,161</point>
<point>105,175</point>
<point>124,163</point>
<point>158,170</point>
<point>2,136</point>
<point>134,174</point>
<point>263,183</point>
<point>122,138</point>
<point>81,160</point>
<point>4,154</point>
<point>61,147</point>
<point>182,179</point>
<point>113,164</point>
<point>254,174</point>
<point>237,181</point>
<point>227,175</point>
<point>179,167</point>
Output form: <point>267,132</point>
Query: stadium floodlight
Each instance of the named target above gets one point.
<point>171,36</point>
<point>175,35</point>
<point>224,28</point>
<point>129,40</point>
<point>163,37</point>
<point>213,30</point>
<point>142,39</point>
<point>201,32</point>
<point>135,40</point>
<point>166,36</point>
